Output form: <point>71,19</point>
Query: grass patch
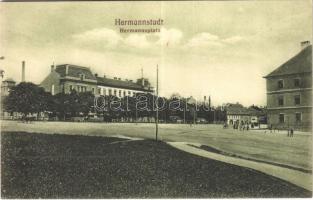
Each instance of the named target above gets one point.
<point>63,166</point>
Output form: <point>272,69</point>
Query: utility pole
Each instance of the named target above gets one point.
<point>157,108</point>
<point>194,115</point>
<point>136,113</point>
<point>185,105</point>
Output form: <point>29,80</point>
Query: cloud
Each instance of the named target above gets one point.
<point>136,40</point>
<point>169,37</point>
<point>108,38</point>
<point>104,36</point>
<point>204,40</point>
<point>233,40</point>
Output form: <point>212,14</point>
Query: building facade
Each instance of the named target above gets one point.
<point>6,86</point>
<point>66,78</point>
<point>236,113</point>
<point>289,92</point>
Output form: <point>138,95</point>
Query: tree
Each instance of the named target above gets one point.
<point>86,102</point>
<point>27,98</point>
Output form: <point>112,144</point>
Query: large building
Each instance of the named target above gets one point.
<point>289,92</point>
<point>236,113</point>
<point>65,78</point>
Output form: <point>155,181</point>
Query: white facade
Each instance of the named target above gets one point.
<point>118,92</point>
<point>231,118</point>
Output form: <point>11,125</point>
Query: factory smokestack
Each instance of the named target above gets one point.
<point>23,71</point>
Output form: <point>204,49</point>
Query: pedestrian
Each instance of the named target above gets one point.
<point>288,132</point>
<point>291,132</point>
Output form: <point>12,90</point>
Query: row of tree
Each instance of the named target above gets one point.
<point>28,98</point>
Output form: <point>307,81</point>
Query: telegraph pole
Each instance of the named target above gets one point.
<point>185,105</point>
<point>157,108</point>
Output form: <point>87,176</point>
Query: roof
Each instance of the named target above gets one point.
<point>238,110</point>
<point>300,63</point>
<point>120,84</point>
<point>74,71</point>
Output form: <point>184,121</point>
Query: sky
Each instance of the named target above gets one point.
<point>205,48</point>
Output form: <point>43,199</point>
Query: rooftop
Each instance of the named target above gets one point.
<point>120,84</point>
<point>74,71</point>
<point>300,63</point>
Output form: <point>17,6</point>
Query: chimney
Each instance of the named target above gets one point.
<point>23,71</point>
<point>304,44</point>
<point>119,79</point>
<point>104,76</point>
<point>52,68</point>
<point>96,75</point>
<point>115,78</point>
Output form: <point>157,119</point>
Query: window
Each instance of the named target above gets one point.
<point>281,101</point>
<point>71,87</point>
<point>119,93</point>
<point>280,84</point>
<point>99,90</point>
<point>82,76</point>
<point>129,93</point>
<point>93,90</point>
<point>281,118</point>
<point>110,92</point>
<point>124,93</point>
<point>104,92</point>
<point>296,82</point>
<point>114,92</point>
<point>52,89</point>
<point>297,100</point>
<point>298,117</point>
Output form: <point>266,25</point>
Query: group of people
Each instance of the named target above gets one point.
<point>239,125</point>
<point>289,130</point>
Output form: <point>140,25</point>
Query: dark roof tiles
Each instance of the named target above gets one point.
<point>300,63</point>
<point>75,71</point>
<point>119,84</point>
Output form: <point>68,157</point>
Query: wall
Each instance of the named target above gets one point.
<point>288,92</point>
<point>106,88</point>
<point>52,78</point>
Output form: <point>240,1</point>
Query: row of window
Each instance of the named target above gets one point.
<point>81,88</point>
<point>284,118</point>
<point>115,92</point>
<point>296,83</point>
<point>296,100</point>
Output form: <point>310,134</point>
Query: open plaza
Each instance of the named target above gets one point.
<point>287,159</point>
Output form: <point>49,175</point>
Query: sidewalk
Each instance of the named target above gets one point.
<point>298,178</point>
